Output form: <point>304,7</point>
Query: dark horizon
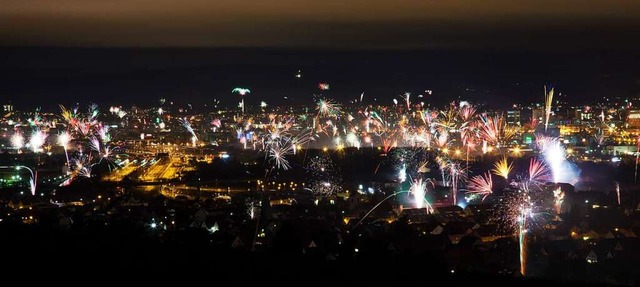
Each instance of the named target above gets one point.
<point>48,76</point>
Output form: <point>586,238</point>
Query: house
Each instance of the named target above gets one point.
<point>455,230</point>
<point>591,257</point>
<point>489,233</point>
<point>450,213</point>
<point>483,213</point>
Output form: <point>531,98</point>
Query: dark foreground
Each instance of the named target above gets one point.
<point>131,256</point>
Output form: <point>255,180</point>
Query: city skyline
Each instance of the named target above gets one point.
<point>297,142</point>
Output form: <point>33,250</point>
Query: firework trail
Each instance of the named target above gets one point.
<point>522,238</point>
<point>406,98</point>
<point>379,203</point>
<point>424,167</point>
<point>415,186</point>
<point>32,183</point>
<point>548,100</point>
<point>469,140</point>
<point>618,192</point>
<point>635,175</point>
<point>63,140</point>
<point>457,175</point>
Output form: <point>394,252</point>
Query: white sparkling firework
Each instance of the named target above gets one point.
<point>419,190</point>
<point>82,166</point>
<point>17,141</point>
<point>402,173</point>
<point>37,140</point>
<point>555,156</point>
<point>558,199</point>
<point>327,108</point>
<point>324,176</point>
<point>187,125</point>
<point>278,145</point>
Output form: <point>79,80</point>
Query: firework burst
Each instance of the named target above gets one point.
<point>495,130</point>
<point>502,168</point>
<point>467,112</point>
<point>82,166</point>
<point>187,125</point>
<point>325,179</point>
<point>481,185</point>
<point>279,144</point>
<point>328,108</point>
<point>538,172</point>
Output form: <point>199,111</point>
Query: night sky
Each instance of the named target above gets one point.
<point>137,51</point>
<point>548,24</point>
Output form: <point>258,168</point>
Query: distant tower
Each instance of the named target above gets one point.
<point>7,108</point>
